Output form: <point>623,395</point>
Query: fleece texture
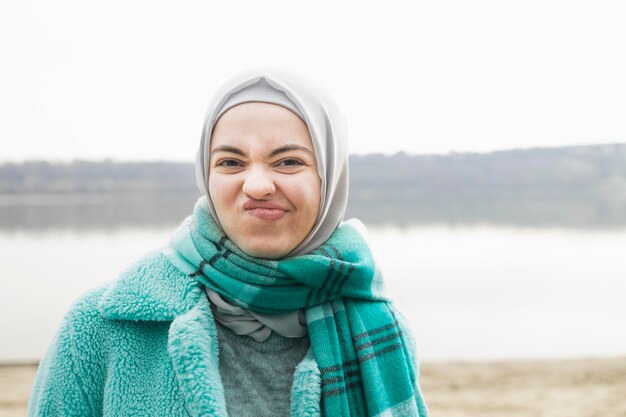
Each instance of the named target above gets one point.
<point>147,345</point>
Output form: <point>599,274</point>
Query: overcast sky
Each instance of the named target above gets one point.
<point>130,80</point>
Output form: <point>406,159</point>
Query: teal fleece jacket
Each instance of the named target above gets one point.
<point>146,345</point>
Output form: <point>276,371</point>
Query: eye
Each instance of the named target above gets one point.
<point>228,163</point>
<point>290,162</point>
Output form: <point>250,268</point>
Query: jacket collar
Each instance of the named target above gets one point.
<point>151,289</point>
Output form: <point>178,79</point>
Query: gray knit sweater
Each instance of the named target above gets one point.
<point>258,376</point>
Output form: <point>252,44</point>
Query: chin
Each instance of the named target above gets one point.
<point>263,250</point>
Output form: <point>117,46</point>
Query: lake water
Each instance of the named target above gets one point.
<point>470,292</point>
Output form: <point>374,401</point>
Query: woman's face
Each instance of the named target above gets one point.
<point>263,178</point>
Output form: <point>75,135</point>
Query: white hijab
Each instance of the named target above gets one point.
<point>326,125</point>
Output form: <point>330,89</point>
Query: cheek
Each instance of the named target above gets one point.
<point>305,194</point>
<point>223,190</point>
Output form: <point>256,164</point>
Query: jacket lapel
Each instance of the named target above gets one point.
<point>152,289</point>
<point>193,348</point>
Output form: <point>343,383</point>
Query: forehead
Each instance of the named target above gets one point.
<point>260,124</point>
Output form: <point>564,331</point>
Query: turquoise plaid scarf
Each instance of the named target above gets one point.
<point>361,353</point>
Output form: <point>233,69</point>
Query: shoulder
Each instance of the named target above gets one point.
<point>83,330</point>
<point>86,336</point>
<point>85,319</point>
<point>86,306</point>
<point>72,375</point>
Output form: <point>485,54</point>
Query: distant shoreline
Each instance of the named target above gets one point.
<point>89,210</point>
<point>582,187</point>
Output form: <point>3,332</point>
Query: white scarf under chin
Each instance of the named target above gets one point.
<point>257,326</point>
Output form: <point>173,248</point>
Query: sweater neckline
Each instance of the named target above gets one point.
<point>274,343</point>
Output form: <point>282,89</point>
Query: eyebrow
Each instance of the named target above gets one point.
<point>277,151</point>
<point>288,148</point>
<point>229,149</point>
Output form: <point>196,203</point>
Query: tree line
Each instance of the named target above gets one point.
<point>539,172</point>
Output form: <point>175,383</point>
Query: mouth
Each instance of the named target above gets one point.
<point>266,213</point>
<point>265,210</point>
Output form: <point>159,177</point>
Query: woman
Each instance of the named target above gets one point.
<point>263,304</point>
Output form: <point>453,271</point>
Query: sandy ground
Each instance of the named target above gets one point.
<point>576,388</point>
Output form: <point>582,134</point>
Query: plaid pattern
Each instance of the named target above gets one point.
<point>363,359</point>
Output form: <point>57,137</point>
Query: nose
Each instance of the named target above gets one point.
<point>258,184</point>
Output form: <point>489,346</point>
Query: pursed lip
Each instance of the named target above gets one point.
<point>251,205</point>
<point>265,210</point>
